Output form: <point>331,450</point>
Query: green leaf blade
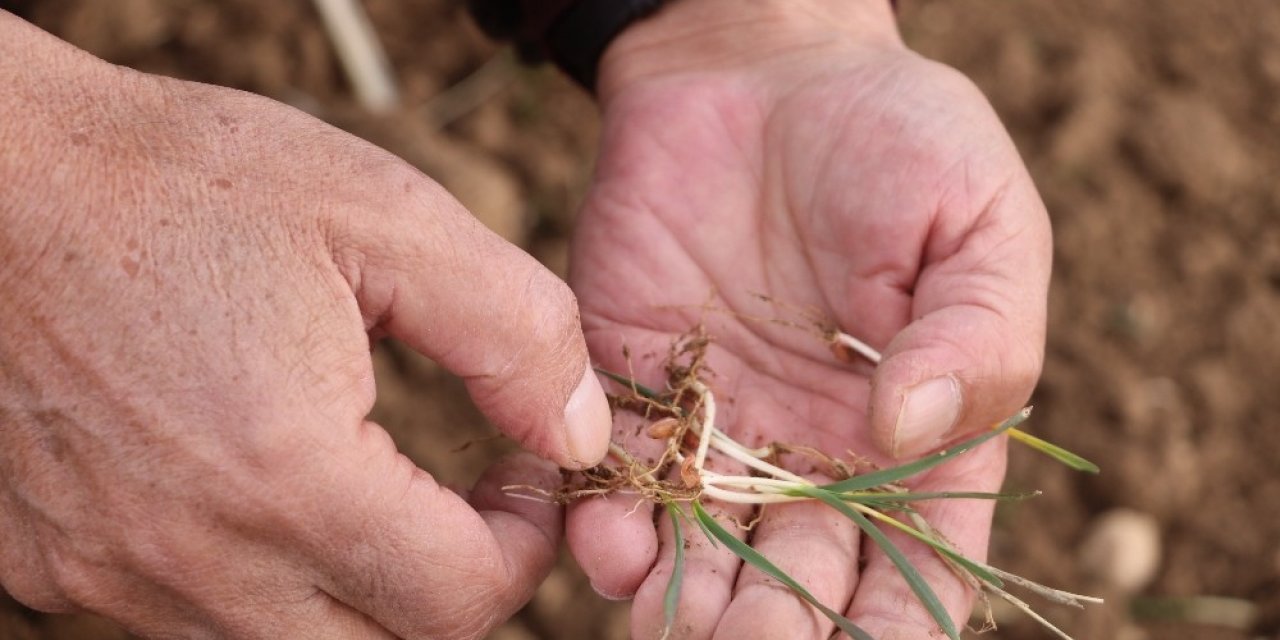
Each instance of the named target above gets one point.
<point>909,573</point>
<point>629,383</point>
<point>755,559</point>
<point>1054,451</point>
<point>671,599</point>
<point>972,567</point>
<point>902,472</point>
<point>878,497</point>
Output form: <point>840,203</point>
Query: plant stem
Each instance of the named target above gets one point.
<point>360,52</point>
<point>708,424</point>
<point>857,345</point>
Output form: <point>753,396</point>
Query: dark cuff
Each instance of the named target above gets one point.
<point>572,33</point>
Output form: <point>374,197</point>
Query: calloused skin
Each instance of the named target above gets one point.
<point>189,283</point>
<point>826,166</point>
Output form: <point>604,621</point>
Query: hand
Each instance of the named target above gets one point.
<point>796,149</point>
<point>190,278</point>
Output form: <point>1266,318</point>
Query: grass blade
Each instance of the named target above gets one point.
<point>880,497</point>
<point>1054,451</point>
<point>900,472</point>
<point>979,571</point>
<point>909,573</point>
<point>753,557</point>
<point>671,599</point>
<point>629,383</point>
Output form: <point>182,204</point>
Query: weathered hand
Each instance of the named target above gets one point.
<point>798,150</point>
<point>188,280</point>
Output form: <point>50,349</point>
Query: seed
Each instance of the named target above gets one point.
<point>689,475</point>
<point>663,429</point>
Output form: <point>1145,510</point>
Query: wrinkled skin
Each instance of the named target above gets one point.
<point>844,175</point>
<point>191,277</point>
<point>190,280</point>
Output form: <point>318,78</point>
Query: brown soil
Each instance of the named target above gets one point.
<point>1152,129</point>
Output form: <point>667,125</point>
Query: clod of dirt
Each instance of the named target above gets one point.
<point>1122,549</point>
<point>1192,147</point>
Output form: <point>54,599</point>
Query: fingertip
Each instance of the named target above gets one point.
<point>912,408</point>
<point>588,422</point>
<point>614,541</point>
<point>927,413</point>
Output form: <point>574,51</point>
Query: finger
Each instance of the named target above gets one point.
<point>710,571</point>
<point>884,605</point>
<point>813,544</point>
<point>313,615</point>
<point>973,352</point>
<point>528,526</point>
<point>613,536</point>
<point>254,606</point>
<point>321,616</point>
<point>428,273</point>
<point>419,560</point>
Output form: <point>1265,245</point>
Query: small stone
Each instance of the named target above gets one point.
<point>1123,549</point>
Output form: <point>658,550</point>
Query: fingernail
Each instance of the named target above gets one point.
<point>588,421</point>
<point>929,410</point>
<point>610,596</point>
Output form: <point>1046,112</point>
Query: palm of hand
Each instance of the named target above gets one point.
<point>862,196</point>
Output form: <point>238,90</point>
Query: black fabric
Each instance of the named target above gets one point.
<point>578,38</point>
<point>501,19</point>
<point>523,22</point>
<point>572,33</point>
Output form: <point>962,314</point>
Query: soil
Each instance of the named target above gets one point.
<point>1152,129</point>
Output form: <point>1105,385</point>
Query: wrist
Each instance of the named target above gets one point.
<point>715,35</point>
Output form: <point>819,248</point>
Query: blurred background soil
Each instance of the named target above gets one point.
<point>1153,131</point>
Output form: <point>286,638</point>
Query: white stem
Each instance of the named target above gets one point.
<point>772,484</point>
<point>360,52</point>
<point>721,437</point>
<point>857,345</point>
<point>739,497</point>
<point>708,424</point>
<point>760,465</point>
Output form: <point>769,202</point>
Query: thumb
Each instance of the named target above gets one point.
<point>974,352</point>
<point>426,272</point>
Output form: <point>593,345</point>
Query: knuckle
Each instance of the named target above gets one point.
<point>544,336</point>
<point>480,609</point>
<point>1023,367</point>
<point>550,319</point>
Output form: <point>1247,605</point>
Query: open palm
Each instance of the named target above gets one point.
<point>878,193</point>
